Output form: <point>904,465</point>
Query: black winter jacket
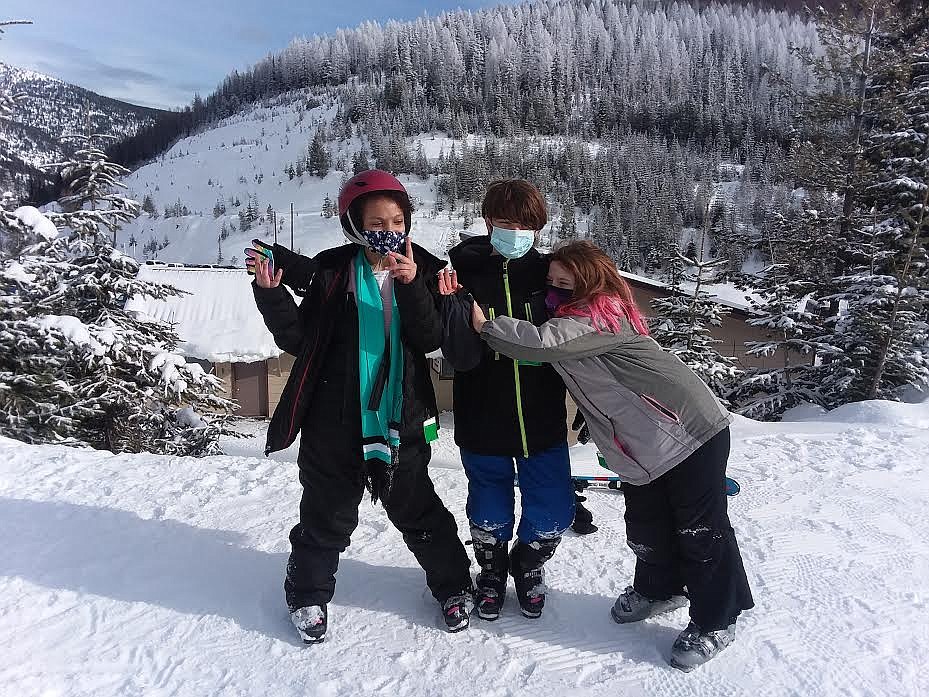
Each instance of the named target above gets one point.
<point>323,335</point>
<point>502,408</point>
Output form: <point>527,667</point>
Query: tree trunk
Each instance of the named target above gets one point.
<point>851,160</point>
<point>901,279</point>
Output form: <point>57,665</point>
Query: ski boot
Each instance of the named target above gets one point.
<point>526,562</point>
<point>491,556</point>
<point>632,606</point>
<point>311,623</point>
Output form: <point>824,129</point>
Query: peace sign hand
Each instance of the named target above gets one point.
<point>401,266</point>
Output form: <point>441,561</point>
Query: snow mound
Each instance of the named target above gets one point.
<point>876,412</point>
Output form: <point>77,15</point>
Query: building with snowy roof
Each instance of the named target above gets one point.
<point>220,327</point>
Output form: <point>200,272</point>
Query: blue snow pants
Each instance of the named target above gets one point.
<point>545,487</point>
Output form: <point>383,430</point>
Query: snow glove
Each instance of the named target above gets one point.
<point>580,425</point>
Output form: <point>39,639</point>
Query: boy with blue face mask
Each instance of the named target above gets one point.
<point>510,416</point>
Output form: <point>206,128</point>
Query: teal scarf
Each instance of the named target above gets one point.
<point>380,372</point>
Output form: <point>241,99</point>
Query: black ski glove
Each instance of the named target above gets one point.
<point>580,425</point>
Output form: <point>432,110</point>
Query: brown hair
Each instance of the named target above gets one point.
<point>515,200</point>
<point>599,291</point>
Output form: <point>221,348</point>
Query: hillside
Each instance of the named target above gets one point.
<point>208,181</point>
<point>50,109</point>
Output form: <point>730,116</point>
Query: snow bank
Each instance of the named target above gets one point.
<point>872,412</point>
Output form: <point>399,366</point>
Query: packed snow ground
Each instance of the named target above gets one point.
<point>144,575</point>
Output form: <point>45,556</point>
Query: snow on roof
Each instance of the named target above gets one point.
<point>725,294</point>
<point>218,321</point>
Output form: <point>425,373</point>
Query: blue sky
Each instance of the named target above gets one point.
<point>160,53</point>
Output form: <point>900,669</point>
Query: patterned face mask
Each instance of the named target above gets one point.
<point>384,241</point>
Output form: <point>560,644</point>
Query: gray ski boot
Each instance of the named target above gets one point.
<point>632,606</point>
<point>694,647</point>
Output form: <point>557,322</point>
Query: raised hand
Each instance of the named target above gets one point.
<point>448,282</point>
<point>265,277</point>
<point>258,250</point>
<point>401,266</point>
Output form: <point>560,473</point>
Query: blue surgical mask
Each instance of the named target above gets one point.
<point>512,243</point>
<point>384,241</point>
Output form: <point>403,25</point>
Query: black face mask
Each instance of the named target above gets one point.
<point>556,297</point>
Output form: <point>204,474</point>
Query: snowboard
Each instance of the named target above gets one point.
<point>612,480</point>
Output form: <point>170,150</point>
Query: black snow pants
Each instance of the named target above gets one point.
<point>679,529</point>
<point>331,474</point>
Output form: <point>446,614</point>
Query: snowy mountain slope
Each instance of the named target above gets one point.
<point>245,156</point>
<point>50,109</point>
<point>135,574</point>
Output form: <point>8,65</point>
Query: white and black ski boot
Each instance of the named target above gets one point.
<point>493,558</point>
<point>456,611</point>
<point>311,623</point>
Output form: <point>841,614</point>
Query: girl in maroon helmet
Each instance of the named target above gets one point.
<point>360,396</point>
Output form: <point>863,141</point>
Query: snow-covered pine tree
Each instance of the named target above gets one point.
<point>897,153</point>
<point>674,265</point>
<point>683,325</point>
<point>360,161</point>
<point>876,144</point>
<point>219,208</point>
<point>318,159</point>
<point>420,164</point>
<point>92,181</point>
<point>148,206</point>
<point>567,225</point>
<point>75,366</point>
<point>329,208</point>
<point>783,303</point>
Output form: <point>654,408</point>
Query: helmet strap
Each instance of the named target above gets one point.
<point>354,235</point>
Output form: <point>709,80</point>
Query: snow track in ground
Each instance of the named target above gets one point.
<point>142,575</point>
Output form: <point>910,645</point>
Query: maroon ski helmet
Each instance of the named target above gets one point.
<point>369,182</point>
